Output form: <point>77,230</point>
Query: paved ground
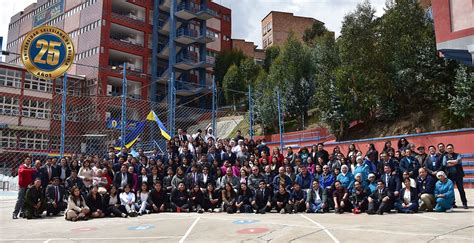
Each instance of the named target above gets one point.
<point>220,227</point>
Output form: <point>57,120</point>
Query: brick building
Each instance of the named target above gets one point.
<point>249,49</point>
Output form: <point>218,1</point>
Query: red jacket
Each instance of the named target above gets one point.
<point>25,176</point>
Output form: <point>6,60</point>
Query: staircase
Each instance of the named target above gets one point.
<point>468,166</point>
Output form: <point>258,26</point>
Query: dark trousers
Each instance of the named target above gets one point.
<point>458,180</point>
<point>175,207</point>
<point>298,207</point>
<point>20,200</point>
<point>378,206</point>
<point>50,209</point>
<point>115,210</point>
<point>206,205</point>
<point>31,212</point>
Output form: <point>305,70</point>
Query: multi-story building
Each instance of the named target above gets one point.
<point>29,112</point>
<point>108,34</point>
<point>249,49</point>
<point>276,27</point>
<point>454,29</point>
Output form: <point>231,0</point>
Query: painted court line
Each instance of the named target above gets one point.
<point>322,227</point>
<point>189,230</point>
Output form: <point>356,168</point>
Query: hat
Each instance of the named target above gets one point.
<point>440,173</point>
<point>371,175</point>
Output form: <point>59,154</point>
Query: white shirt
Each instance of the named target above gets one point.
<point>407,197</point>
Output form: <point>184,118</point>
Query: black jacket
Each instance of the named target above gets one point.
<point>95,203</point>
<point>118,179</point>
<point>157,198</point>
<point>51,194</point>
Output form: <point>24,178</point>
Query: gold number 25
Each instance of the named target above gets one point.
<point>53,55</point>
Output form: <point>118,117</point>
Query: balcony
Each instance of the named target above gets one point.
<point>129,18</point>
<point>164,50</point>
<point>188,89</point>
<point>123,43</point>
<point>164,26</point>
<point>210,36</point>
<point>164,75</point>
<point>186,61</point>
<point>188,11</point>
<point>186,36</point>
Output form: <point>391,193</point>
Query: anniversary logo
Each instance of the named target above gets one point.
<point>47,52</point>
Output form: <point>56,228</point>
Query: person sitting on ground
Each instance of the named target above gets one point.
<point>444,193</point>
<point>380,200</point>
<point>408,200</point>
<point>158,198</point>
<point>341,198</point>
<point>95,203</point>
<point>229,198</point>
<point>112,203</point>
<point>426,187</point>
<point>358,198</point>
<point>316,199</point>
<point>34,201</point>
<point>211,199</point>
<point>196,198</point>
<point>297,199</point>
<point>77,208</point>
<point>243,204</point>
<point>127,199</point>
<point>142,199</point>
<point>55,198</point>
<point>280,200</point>
<point>180,199</point>
<point>262,198</point>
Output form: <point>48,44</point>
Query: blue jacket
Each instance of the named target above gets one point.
<point>347,180</point>
<point>304,181</point>
<point>363,170</point>
<point>410,164</point>
<point>372,187</point>
<point>446,188</point>
<point>276,183</point>
<point>326,181</point>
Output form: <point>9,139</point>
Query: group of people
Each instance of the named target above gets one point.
<point>199,173</point>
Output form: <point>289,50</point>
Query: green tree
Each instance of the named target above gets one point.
<point>223,62</point>
<point>238,78</point>
<point>461,102</point>
<point>271,53</point>
<point>265,103</point>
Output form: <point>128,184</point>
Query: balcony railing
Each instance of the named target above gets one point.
<point>129,18</point>
<point>136,46</point>
<point>187,32</point>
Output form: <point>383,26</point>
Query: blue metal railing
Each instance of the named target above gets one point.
<point>187,32</point>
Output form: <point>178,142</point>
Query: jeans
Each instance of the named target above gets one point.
<point>20,201</point>
<point>316,207</point>
<point>412,208</point>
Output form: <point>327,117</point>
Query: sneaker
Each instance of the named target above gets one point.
<point>200,210</point>
<point>147,211</point>
<point>124,215</point>
<point>308,211</point>
<point>449,210</point>
<point>15,216</point>
<point>210,210</point>
<point>217,210</point>
<point>282,211</point>
<point>455,206</point>
<point>465,206</point>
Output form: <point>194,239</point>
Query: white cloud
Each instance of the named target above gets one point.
<point>247,14</point>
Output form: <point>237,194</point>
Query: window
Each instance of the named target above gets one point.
<point>270,39</point>
<point>36,84</point>
<point>7,139</point>
<point>10,78</point>
<point>31,140</point>
<point>36,109</point>
<point>9,106</point>
<point>269,26</point>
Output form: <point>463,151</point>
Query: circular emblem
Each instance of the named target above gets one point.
<point>47,52</point>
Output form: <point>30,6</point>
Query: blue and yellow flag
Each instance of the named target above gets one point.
<point>153,117</point>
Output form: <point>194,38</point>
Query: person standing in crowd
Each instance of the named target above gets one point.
<point>408,200</point>
<point>453,164</point>
<point>402,144</point>
<point>63,170</point>
<point>444,193</point>
<point>410,164</point>
<point>25,178</point>
<point>380,200</point>
<point>304,178</point>
<point>55,198</point>
<point>425,185</point>
<point>34,201</point>
<point>316,199</point>
<point>77,208</point>
<point>433,162</point>
<point>321,153</point>
<point>122,178</point>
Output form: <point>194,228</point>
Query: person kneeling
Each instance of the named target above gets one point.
<point>316,199</point>
<point>444,193</point>
<point>408,199</point>
<point>77,208</point>
<point>280,200</point>
<point>34,201</point>
<point>379,201</point>
<point>341,198</point>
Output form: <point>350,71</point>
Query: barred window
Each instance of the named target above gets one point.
<point>8,139</point>
<point>10,78</point>
<point>37,84</point>
<point>36,109</point>
<point>9,106</point>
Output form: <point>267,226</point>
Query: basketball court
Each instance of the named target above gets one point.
<point>457,226</point>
